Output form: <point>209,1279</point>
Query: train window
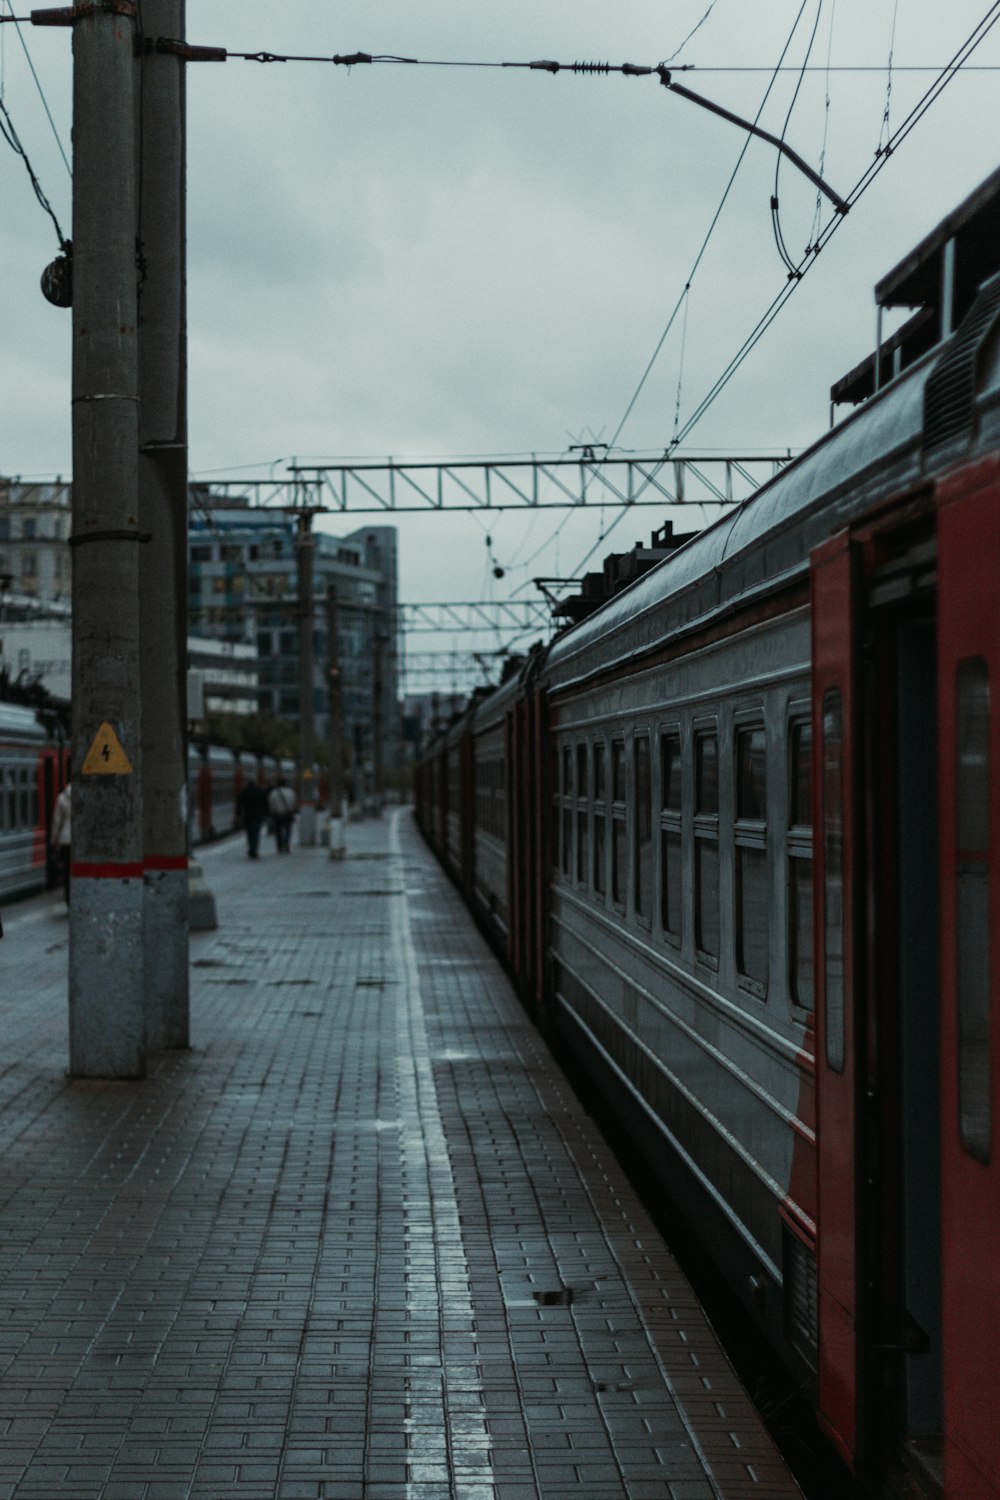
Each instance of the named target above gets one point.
<point>600,842</point>
<point>567,814</point>
<point>752,929</point>
<point>706,759</point>
<point>670,889</point>
<point>670,836</point>
<point>643,830</point>
<point>706,913</point>
<point>582,813</point>
<point>800,882</point>
<point>554,805</point>
<point>751,775</point>
<point>618,855</point>
<point>618,771</point>
<point>670,772</point>
<point>800,932</point>
<point>833,877</point>
<point>752,916</point>
<point>706,845</point>
<point>3,800</point>
<point>800,811</point>
<point>25,798</point>
<point>972,937</point>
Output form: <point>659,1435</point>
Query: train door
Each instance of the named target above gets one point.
<point>835,570</point>
<point>900,1262</point>
<point>969,749</point>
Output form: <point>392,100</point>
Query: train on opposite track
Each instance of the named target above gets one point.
<point>35,764</point>
<point>736,835</point>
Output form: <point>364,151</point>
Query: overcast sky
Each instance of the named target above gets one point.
<point>436,262</point>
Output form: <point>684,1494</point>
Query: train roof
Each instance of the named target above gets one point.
<point>21,723</point>
<point>765,544</point>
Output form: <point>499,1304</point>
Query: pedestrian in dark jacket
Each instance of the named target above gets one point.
<point>251,806</point>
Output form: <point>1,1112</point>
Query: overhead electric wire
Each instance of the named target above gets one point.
<point>886,125</point>
<point>349,60</point>
<point>690,277</point>
<point>696,27</point>
<point>779,238</point>
<point>818,212</point>
<point>38,85</point>
<point>979,33</point>
<point>945,75</point>
<point>13,140</point>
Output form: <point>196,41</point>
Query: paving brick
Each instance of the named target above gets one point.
<point>325,1254</point>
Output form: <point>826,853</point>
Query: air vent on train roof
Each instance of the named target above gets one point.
<point>950,392</point>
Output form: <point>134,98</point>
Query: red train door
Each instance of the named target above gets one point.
<point>836,854</point>
<point>969,751</point>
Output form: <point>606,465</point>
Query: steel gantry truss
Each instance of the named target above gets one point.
<point>513,484</point>
<point>476,615</point>
<point>460,670</point>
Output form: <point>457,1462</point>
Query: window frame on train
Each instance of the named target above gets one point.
<point>582,804</point>
<point>751,862</point>
<point>619,823</point>
<point>671,823</point>
<point>599,782</point>
<point>706,838</point>
<point>972,906</point>
<point>799,864</point>
<point>643,854</point>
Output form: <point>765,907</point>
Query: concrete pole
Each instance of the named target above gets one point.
<point>163,515</point>
<point>304,545</point>
<point>107,1021</point>
<point>336,688</point>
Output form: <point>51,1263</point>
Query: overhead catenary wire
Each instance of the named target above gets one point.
<point>779,237</point>
<point>945,75</point>
<point>695,28</point>
<point>17,20</point>
<point>13,140</point>
<point>221,54</point>
<point>978,35</point>
<point>818,211</point>
<point>886,129</point>
<point>681,300</point>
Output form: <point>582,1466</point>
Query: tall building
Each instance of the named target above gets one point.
<point>35,522</point>
<point>244,587</point>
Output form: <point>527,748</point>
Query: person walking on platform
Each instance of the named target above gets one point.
<point>281,804</point>
<point>252,809</point>
<point>61,834</point>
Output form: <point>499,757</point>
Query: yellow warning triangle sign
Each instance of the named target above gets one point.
<point>106,756</point>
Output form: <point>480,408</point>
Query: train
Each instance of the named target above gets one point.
<point>736,837</point>
<point>35,765</point>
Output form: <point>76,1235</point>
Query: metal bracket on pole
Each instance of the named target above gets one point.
<point>186,51</point>
<point>841,204</point>
<point>68,15</point>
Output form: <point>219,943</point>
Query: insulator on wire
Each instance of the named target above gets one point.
<point>591,67</point>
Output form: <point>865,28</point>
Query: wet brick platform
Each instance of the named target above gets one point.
<point>360,1243</point>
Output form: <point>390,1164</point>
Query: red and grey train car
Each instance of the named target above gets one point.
<point>34,766</point>
<point>737,836</point>
<point>33,770</point>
